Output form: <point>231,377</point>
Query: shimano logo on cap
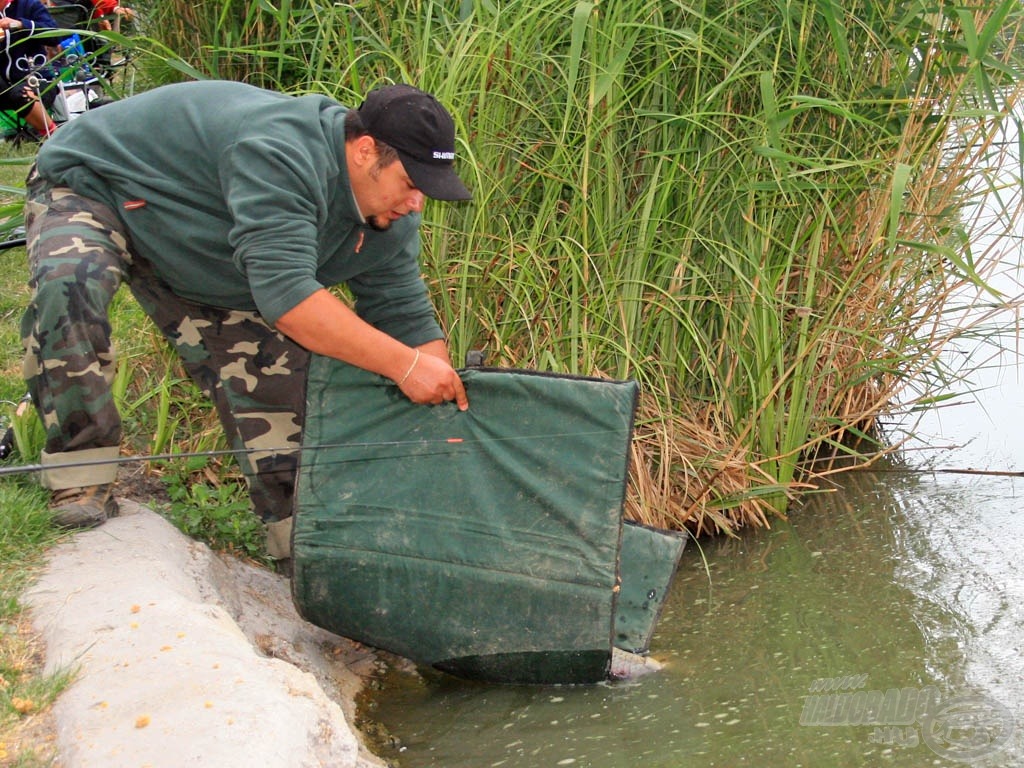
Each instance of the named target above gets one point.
<point>438,155</point>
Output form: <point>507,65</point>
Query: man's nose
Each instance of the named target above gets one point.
<point>416,200</point>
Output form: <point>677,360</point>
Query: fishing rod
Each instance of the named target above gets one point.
<point>27,469</point>
<point>6,448</point>
<point>948,471</point>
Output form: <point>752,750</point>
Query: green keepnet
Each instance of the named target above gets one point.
<point>484,543</point>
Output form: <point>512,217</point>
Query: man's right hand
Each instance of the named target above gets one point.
<point>432,381</point>
<point>322,323</point>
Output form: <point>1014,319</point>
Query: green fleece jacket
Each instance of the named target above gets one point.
<point>240,198</point>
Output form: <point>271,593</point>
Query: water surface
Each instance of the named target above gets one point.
<point>904,583</point>
<point>894,582</point>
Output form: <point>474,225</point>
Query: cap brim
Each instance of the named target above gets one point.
<point>437,181</point>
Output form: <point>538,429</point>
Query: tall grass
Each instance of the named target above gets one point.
<point>754,208</point>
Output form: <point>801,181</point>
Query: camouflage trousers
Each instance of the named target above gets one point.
<point>79,254</point>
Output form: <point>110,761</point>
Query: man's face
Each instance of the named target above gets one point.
<point>385,194</point>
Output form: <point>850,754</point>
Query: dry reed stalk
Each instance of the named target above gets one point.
<point>685,475</point>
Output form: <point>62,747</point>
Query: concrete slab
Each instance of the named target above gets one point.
<point>184,657</point>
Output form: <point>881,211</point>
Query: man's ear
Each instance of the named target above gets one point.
<point>364,151</point>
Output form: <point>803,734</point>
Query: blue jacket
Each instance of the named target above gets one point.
<point>23,51</point>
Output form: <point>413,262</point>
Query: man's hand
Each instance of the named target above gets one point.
<point>430,378</point>
<point>323,324</point>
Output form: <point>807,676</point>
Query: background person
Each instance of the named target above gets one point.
<point>24,52</point>
<point>108,14</point>
<point>229,209</point>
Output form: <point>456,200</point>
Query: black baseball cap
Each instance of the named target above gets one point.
<point>423,134</point>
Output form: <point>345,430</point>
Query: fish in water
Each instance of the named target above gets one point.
<point>629,666</point>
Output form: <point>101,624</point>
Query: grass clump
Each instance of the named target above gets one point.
<point>216,512</point>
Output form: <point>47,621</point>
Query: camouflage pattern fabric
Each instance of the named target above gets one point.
<point>77,259</point>
<point>79,254</point>
<point>255,376</point>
